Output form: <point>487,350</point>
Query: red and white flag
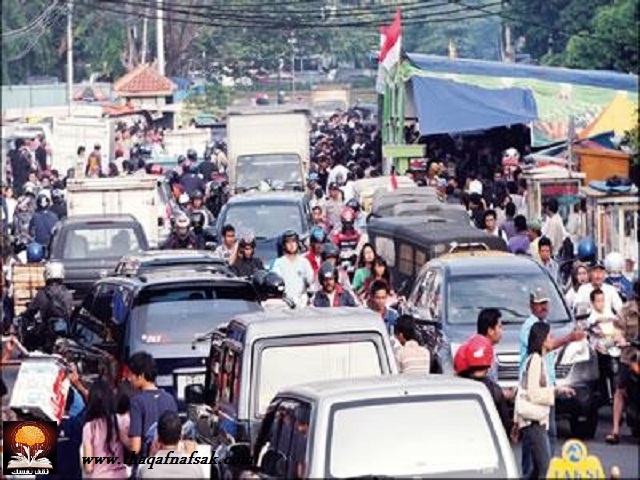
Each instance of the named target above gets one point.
<point>390,49</point>
<point>393,180</point>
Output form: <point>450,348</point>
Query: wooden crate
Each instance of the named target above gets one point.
<point>27,280</point>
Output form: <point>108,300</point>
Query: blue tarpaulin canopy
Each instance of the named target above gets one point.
<point>446,106</point>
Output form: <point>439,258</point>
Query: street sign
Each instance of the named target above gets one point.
<point>404,151</point>
<point>575,463</point>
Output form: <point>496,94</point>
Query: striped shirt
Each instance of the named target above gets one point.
<point>412,358</point>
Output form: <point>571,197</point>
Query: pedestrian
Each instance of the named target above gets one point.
<point>378,298</point>
<point>545,251</point>
<point>473,360</point>
<point>628,323</point>
<point>101,433</point>
<point>535,233</point>
<point>534,412</point>
<point>410,356</point>
<point>363,267</point>
<point>228,248</point>
<point>508,224</point>
<point>519,243</point>
<point>379,271</point>
<point>172,451</point>
<point>148,404</point>
<point>553,228</point>
<point>491,227</point>
<point>539,304</point>
<point>42,221</point>
<point>489,325</point>
<point>579,277</point>
<point>331,293</point>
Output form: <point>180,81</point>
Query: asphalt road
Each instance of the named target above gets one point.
<point>625,455</point>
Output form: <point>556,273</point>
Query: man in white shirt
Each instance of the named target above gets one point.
<point>338,169</point>
<point>553,228</point>
<point>295,270</point>
<point>597,274</point>
<point>411,357</point>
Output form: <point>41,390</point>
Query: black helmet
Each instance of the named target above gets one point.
<point>196,195</point>
<point>354,205</point>
<point>192,154</point>
<point>329,251</point>
<point>288,234</point>
<point>197,219</point>
<point>327,270</point>
<point>181,159</point>
<point>273,285</point>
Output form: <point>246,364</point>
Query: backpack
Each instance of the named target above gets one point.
<point>57,308</point>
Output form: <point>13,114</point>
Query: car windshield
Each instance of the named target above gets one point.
<point>171,315</point>
<point>253,169</point>
<point>101,242</point>
<point>450,436</point>
<point>509,292</point>
<point>265,220</point>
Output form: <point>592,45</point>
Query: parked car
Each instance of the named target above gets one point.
<point>161,313</point>
<point>152,260</point>
<point>90,246</point>
<point>407,243</point>
<point>450,291</point>
<point>439,426</point>
<point>267,215</point>
<point>264,352</point>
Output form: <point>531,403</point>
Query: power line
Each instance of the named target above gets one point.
<point>50,22</point>
<point>33,25</point>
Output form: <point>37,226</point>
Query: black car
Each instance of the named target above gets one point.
<point>90,247</point>
<point>408,242</point>
<point>267,215</point>
<point>161,313</point>
<point>450,291</point>
<point>153,260</point>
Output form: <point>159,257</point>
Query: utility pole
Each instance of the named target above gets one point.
<point>145,22</point>
<point>70,56</point>
<point>509,54</point>
<point>160,37</point>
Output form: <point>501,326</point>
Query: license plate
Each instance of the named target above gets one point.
<point>189,379</point>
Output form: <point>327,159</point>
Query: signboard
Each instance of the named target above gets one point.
<point>575,463</point>
<point>404,151</point>
<point>560,188</point>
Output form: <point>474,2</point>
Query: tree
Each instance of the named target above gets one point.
<point>613,44</point>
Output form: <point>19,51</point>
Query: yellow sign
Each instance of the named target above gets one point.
<point>575,463</point>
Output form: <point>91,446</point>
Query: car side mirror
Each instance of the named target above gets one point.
<point>194,394</point>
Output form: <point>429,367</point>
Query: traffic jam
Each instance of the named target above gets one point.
<point>278,299</point>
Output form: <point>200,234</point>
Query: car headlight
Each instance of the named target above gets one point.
<point>575,352</point>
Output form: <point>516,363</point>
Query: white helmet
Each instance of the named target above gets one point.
<point>183,221</point>
<point>53,271</point>
<point>614,262</point>
<point>183,199</point>
<point>29,188</point>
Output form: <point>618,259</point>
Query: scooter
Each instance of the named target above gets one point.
<point>632,405</point>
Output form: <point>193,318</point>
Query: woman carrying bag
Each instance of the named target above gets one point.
<point>534,401</point>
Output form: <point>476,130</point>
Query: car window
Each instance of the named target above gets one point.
<point>102,308</point>
<point>253,169</point>
<point>460,439</point>
<point>419,297</point>
<point>287,447</point>
<point>405,260</point>
<point>267,220</point>
<point>509,292</point>
<point>313,362</point>
<point>229,375</point>
<point>84,243</point>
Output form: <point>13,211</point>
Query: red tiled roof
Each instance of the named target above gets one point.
<point>142,80</point>
<point>87,92</point>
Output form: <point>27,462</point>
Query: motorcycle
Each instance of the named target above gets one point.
<point>37,334</point>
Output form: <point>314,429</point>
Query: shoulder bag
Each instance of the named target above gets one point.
<point>525,408</point>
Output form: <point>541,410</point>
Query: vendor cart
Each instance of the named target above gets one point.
<point>544,183</point>
<point>612,219</point>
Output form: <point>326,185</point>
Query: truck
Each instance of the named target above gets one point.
<point>70,133</point>
<point>146,197</point>
<point>269,144</point>
<point>326,99</point>
<point>178,142</point>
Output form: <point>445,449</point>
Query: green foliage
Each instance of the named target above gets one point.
<point>215,99</point>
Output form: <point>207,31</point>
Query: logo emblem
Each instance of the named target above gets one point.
<point>29,448</point>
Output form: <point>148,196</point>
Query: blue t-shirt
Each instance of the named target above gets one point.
<point>146,408</point>
<point>549,358</point>
<point>390,319</point>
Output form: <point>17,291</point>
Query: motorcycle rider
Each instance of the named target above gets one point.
<point>330,253</point>
<point>245,264</point>
<point>43,221</point>
<point>197,226</point>
<point>317,238</point>
<point>21,221</point>
<point>347,238</point>
<point>183,202</point>
<point>270,288</point>
<point>614,264</point>
<point>192,180</point>
<point>331,293</point>
<point>360,223</point>
<point>295,270</point>
<point>58,205</point>
<point>54,303</point>
<point>628,323</point>
<point>597,274</point>
<point>181,237</point>
<point>197,205</point>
